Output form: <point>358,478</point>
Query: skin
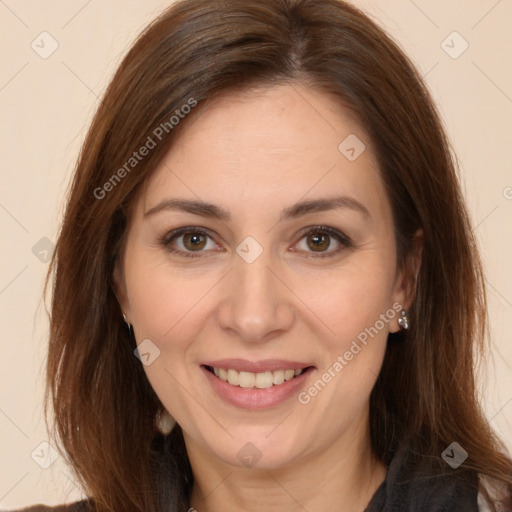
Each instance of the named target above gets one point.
<point>254,154</point>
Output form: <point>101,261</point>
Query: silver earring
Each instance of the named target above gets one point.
<point>403,320</point>
<point>164,422</point>
<point>128,324</point>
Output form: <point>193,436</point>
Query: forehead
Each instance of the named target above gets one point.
<point>268,146</point>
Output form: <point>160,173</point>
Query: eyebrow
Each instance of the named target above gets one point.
<point>296,210</point>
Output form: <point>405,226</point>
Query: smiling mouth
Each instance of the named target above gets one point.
<point>261,380</point>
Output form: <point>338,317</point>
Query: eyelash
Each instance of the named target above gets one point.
<point>344,240</point>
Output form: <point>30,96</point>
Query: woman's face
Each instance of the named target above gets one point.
<point>254,282</point>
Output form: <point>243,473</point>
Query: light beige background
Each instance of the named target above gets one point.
<point>47,105</point>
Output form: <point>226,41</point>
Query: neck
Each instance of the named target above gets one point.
<point>343,477</point>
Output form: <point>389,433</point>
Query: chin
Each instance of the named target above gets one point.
<point>255,448</point>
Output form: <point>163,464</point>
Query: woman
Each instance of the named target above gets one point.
<point>267,294</point>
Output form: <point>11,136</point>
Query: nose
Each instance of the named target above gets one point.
<point>257,306</point>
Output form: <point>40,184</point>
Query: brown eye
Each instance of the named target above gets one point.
<point>318,241</point>
<point>188,242</point>
<point>194,241</point>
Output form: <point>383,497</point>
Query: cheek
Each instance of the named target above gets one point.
<point>355,305</point>
<point>167,308</point>
<point>163,300</point>
<point>352,305</point>
<point>349,300</point>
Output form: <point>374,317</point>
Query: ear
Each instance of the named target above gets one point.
<point>120,287</point>
<point>405,284</point>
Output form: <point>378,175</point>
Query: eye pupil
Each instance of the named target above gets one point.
<point>195,240</point>
<point>320,241</point>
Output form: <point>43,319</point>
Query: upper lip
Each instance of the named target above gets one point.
<point>264,365</point>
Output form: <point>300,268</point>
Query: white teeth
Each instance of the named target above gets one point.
<point>262,380</point>
<point>289,374</point>
<point>233,377</point>
<point>245,380</point>
<point>278,377</point>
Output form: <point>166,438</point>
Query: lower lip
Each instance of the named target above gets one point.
<point>255,398</point>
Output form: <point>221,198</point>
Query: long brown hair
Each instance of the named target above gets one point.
<point>103,404</point>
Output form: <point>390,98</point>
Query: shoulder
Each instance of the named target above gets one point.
<point>77,506</point>
<point>495,491</point>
